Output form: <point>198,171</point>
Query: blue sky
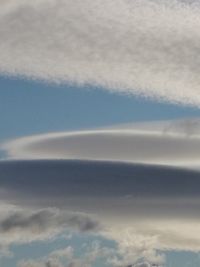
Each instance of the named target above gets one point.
<point>31,107</point>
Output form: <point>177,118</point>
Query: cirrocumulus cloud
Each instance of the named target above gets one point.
<point>143,47</point>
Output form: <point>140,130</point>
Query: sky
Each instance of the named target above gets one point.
<point>100,133</point>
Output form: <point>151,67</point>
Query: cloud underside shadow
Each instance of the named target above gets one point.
<point>139,201</point>
<point>143,47</point>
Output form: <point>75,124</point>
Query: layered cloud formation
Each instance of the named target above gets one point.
<point>141,208</point>
<point>174,143</point>
<point>130,178</point>
<point>145,47</point>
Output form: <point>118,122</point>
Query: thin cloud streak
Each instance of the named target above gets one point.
<point>143,47</point>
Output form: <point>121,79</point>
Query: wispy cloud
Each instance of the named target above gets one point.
<point>145,47</point>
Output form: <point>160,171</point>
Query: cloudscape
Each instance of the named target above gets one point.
<point>99,133</point>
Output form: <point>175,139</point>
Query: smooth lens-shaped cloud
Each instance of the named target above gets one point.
<point>163,143</point>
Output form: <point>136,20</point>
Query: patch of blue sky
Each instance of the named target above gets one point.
<point>182,259</point>
<point>80,243</point>
<point>39,249</point>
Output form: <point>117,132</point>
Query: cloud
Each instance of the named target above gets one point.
<point>145,264</point>
<point>173,143</point>
<point>143,47</point>
<point>31,263</point>
<point>142,208</point>
<point>21,225</point>
<point>66,258</point>
<point>52,260</point>
<point>94,252</point>
<point>40,221</point>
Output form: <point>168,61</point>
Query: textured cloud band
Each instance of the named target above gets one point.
<point>144,47</point>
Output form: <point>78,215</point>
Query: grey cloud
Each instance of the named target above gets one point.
<point>142,208</point>
<point>41,221</point>
<point>50,264</point>
<point>189,127</point>
<point>144,264</point>
<point>73,178</point>
<point>85,224</point>
<point>106,43</point>
<point>147,200</point>
<point>116,194</point>
<point>18,220</point>
<point>21,225</point>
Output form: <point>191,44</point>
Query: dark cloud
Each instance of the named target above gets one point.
<point>101,187</point>
<point>40,221</point>
<point>134,203</point>
<point>64,178</point>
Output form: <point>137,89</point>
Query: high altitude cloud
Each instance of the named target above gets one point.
<point>174,143</point>
<point>145,47</point>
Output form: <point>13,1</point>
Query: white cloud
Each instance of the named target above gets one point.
<point>145,47</point>
<point>160,143</point>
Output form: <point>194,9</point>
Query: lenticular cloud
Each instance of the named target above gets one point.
<point>172,143</point>
<point>144,47</point>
